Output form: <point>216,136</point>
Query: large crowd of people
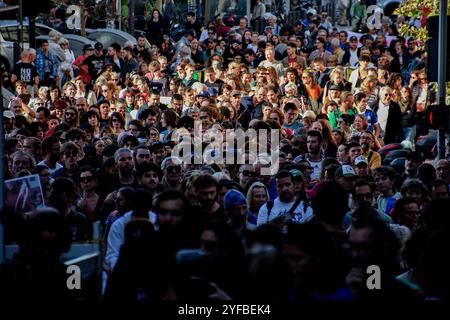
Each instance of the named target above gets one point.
<point>101,129</point>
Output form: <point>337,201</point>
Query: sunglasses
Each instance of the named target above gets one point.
<point>116,120</point>
<point>86,179</point>
<point>71,154</point>
<point>39,104</point>
<point>248,173</point>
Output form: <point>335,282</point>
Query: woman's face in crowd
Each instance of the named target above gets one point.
<point>317,126</point>
<point>93,121</point>
<point>99,147</point>
<point>259,197</point>
<point>358,123</point>
<point>70,91</point>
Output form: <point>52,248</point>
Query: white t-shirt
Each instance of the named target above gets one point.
<point>50,170</point>
<point>279,208</point>
<point>316,167</point>
<point>354,58</point>
<point>382,115</point>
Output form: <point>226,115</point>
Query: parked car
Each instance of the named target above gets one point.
<point>9,36</point>
<point>110,36</point>
<point>76,42</point>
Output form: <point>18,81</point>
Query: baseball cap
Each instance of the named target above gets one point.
<point>346,171</point>
<point>87,47</point>
<point>353,38</point>
<point>8,114</point>
<point>98,46</point>
<point>268,27</point>
<point>204,94</point>
<point>212,91</point>
<point>361,159</point>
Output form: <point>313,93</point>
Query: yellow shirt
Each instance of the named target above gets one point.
<point>375,160</point>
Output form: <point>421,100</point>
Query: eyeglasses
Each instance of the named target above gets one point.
<point>106,90</point>
<point>70,114</point>
<point>388,94</point>
<point>39,104</point>
<point>117,120</point>
<point>115,79</point>
<point>86,179</point>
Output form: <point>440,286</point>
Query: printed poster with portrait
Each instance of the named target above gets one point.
<point>24,194</point>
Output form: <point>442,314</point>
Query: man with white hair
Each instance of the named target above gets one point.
<point>26,71</point>
<point>389,116</point>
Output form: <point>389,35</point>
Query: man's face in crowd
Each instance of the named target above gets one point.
<point>411,215</point>
<point>366,141</point>
<point>142,156</point>
<point>355,151</point>
<point>313,145</point>
<point>364,197</point>
<point>291,116</point>
<point>411,166</point>
<point>104,109</point>
<point>40,117</point>
<point>177,105</point>
<point>443,170</point>
<point>361,242</point>
<point>362,169</point>
<point>141,41</point>
<point>111,52</point>
<point>81,105</point>
<point>211,76</point>
<point>342,154</point>
<point>286,189</point>
<point>151,121</point>
<point>125,163</point>
<point>150,179</point>
<point>155,99</point>
<point>207,196</point>
<point>158,155</point>
<point>170,212</point>
<point>56,151</point>
<point>20,163</point>
<point>386,97</point>
<point>439,192</point>
<point>384,184</point>
<point>70,158</point>
<point>59,200</point>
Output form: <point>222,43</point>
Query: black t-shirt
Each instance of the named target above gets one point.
<point>95,64</point>
<point>25,72</point>
<point>196,26</point>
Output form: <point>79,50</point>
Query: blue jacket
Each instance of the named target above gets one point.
<point>41,60</point>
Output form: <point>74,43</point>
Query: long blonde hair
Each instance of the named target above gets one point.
<point>254,185</point>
